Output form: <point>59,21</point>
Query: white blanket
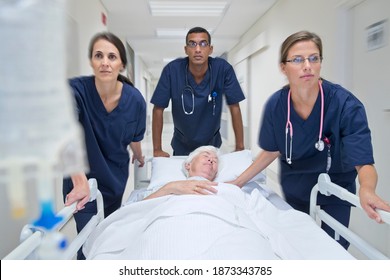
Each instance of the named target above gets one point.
<point>229,225</point>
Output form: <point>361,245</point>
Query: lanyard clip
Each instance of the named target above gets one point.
<point>212,97</point>
<point>329,156</point>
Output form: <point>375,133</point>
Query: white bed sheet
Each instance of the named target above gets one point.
<point>230,225</point>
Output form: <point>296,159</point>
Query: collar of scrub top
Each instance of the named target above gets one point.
<point>188,88</point>
<point>319,145</point>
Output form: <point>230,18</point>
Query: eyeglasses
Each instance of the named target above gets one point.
<point>300,59</point>
<point>193,44</point>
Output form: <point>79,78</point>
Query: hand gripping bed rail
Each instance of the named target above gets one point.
<point>34,239</point>
<point>326,187</point>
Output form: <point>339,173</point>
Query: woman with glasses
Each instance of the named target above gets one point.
<point>195,85</point>
<point>315,126</point>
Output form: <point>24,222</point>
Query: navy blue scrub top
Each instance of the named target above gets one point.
<point>345,124</point>
<point>201,127</point>
<point>107,135</point>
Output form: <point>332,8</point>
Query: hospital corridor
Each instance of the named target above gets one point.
<point>246,96</point>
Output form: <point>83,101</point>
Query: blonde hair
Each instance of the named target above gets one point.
<point>196,152</point>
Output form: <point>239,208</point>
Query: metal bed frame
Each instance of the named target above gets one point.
<point>326,187</point>
<point>39,243</point>
<point>35,242</point>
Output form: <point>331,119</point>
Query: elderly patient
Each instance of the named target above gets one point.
<point>184,221</point>
<point>201,168</point>
<point>230,224</point>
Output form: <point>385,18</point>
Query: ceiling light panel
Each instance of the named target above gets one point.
<point>186,9</point>
<point>174,33</point>
<point>166,32</point>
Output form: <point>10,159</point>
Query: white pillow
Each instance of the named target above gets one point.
<point>231,165</point>
<point>165,170</point>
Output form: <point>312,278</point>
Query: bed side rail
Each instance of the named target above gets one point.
<point>326,187</point>
<point>38,243</point>
<point>142,174</point>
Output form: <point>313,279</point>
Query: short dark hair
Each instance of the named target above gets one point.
<point>198,30</point>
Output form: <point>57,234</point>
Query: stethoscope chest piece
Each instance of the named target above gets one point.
<point>319,145</point>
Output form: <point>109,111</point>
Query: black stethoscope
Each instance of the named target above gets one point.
<point>320,144</point>
<point>212,96</point>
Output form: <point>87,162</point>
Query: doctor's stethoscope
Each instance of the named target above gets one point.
<point>320,144</point>
<point>190,90</point>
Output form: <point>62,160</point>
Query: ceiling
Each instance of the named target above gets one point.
<point>132,20</point>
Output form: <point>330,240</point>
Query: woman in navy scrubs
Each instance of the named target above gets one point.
<point>112,113</point>
<point>314,126</point>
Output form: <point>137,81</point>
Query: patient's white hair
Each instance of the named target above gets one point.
<point>196,152</point>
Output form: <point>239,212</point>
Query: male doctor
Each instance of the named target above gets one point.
<point>195,85</point>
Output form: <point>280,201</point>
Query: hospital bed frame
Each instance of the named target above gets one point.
<point>326,187</point>
<point>33,238</point>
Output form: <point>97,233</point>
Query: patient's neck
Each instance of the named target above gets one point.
<point>197,178</point>
<point>199,175</point>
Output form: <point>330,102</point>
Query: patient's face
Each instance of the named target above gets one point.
<point>205,164</point>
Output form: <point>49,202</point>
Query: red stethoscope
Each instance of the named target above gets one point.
<point>320,144</point>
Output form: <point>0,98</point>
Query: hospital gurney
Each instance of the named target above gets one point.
<point>248,223</point>
<point>263,226</point>
<point>143,178</point>
<point>38,243</point>
<point>326,187</point>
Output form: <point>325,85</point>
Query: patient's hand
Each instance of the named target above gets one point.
<point>190,187</point>
<point>200,187</point>
<point>196,187</point>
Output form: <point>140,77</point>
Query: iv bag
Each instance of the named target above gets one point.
<point>38,124</point>
<point>37,117</point>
